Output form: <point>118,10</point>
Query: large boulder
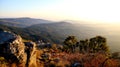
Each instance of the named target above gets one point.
<point>15,51</point>
<point>12,47</point>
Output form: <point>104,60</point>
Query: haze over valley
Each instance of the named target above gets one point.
<point>61,29</point>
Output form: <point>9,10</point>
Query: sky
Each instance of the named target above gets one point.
<point>80,10</point>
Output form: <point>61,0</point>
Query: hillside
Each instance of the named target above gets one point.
<point>50,32</point>
<point>55,32</point>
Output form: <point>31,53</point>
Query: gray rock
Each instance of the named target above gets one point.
<point>15,51</point>
<point>12,47</point>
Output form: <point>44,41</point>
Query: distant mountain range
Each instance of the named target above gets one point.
<point>22,22</point>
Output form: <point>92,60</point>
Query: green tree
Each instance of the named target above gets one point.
<point>83,45</point>
<point>70,43</point>
<point>98,43</point>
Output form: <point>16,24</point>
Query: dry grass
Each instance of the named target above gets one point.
<point>63,59</point>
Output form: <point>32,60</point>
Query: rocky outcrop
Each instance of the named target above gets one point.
<point>31,54</point>
<point>15,51</point>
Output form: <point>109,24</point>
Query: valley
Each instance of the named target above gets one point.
<point>55,32</point>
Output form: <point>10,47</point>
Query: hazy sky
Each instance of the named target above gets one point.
<point>85,10</point>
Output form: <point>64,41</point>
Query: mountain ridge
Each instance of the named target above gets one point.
<point>22,22</point>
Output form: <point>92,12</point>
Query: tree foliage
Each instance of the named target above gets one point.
<point>94,44</point>
<point>98,43</point>
<point>70,43</point>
